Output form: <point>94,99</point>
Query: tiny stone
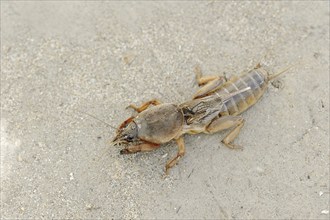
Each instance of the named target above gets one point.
<point>259,170</point>
<point>325,212</point>
<point>19,158</point>
<point>89,206</point>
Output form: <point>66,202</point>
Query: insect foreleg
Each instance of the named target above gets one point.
<point>139,148</point>
<point>181,151</point>
<point>145,105</point>
<point>226,122</point>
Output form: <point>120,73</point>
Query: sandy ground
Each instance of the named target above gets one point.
<point>59,59</point>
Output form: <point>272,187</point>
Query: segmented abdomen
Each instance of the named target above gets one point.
<point>255,79</point>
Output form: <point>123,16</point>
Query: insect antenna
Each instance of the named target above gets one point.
<point>111,126</point>
<point>98,158</point>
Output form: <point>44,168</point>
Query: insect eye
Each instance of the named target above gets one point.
<point>129,137</point>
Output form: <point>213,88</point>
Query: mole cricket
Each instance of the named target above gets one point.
<point>216,106</point>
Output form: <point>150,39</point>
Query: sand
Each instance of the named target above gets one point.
<point>59,59</point>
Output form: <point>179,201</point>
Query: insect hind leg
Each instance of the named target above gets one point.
<point>224,123</point>
<point>208,84</point>
<point>202,80</point>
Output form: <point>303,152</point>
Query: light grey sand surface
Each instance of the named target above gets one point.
<point>59,59</point>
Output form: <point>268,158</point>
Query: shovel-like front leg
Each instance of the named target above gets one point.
<point>139,148</point>
<point>145,105</point>
<point>181,151</point>
<point>226,122</point>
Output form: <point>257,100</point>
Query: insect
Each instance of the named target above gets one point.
<point>215,107</point>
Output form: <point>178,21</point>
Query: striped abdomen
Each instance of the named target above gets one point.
<point>255,79</point>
